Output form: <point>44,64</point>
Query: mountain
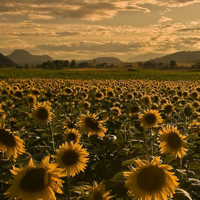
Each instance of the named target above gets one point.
<point>6,62</point>
<point>23,57</point>
<point>180,57</point>
<point>143,57</point>
<point>109,60</point>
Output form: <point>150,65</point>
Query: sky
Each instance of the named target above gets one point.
<point>86,29</point>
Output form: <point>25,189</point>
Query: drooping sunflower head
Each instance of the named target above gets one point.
<point>151,181</point>
<point>72,135</point>
<point>41,112</point>
<point>10,145</point>
<point>90,124</point>
<point>171,141</point>
<point>150,119</point>
<point>35,181</point>
<point>98,192</point>
<point>72,158</point>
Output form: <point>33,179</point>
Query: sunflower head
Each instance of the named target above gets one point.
<point>98,192</point>
<point>72,135</point>
<point>90,124</point>
<point>35,181</point>
<point>10,144</point>
<point>150,119</point>
<point>72,158</point>
<point>151,181</point>
<point>171,141</point>
<point>41,112</point>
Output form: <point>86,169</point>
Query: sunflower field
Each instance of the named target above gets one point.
<point>99,139</point>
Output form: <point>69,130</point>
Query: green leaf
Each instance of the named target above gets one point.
<point>194,166</point>
<point>128,162</point>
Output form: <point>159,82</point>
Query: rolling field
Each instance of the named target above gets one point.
<point>106,134</point>
<point>152,74</point>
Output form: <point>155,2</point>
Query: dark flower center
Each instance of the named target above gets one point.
<point>92,124</point>
<point>151,179</point>
<point>34,180</point>
<point>173,140</point>
<point>168,108</point>
<point>6,138</point>
<point>97,196</point>
<point>43,114</point>
<point>150,118</point>
<point>99,95</point>
<point>70,157</point>
<point>71,136</point>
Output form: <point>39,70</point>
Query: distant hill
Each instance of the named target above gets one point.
<point>143,57</point>
<point>109,60</point>
<point>6,62</point>
<point>23,57</point>
<point>181,57</point>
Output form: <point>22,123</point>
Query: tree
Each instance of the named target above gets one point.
<point>172,64</point>
<point>73,64</point>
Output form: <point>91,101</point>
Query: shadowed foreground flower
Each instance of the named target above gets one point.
<point>150,119</point>
<point>151,181</point>
<point>89,123</point>
<point>98,192</point>
<point>72,135</point>
<point>35,182</point>
<point>172,142</point>
<point>41,112</point>
<point>72,158</point>
<point>10,144</point>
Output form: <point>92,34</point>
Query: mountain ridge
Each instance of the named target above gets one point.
<point>22,57</point>
<point>6,62</point>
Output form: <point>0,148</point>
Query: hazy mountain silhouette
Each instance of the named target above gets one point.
<point>143,57</point>
<point>23,57</point>
<point>107,60</point>
<point>6,62</point>
<point>181,57</point>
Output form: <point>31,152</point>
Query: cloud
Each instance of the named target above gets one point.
<point>40,17</point>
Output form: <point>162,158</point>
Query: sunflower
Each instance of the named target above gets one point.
<point>35,181</point>
<point>10,144</point>
<point>30,99</point>
<point>99,95</point>
<point>134,110</point>
<point>72,158</point>
<point>98,192</point>
<point>2,115</point>
<point>115,112</point>
<point>41,112</point>
<point>171,141</point>
<point>167,108</point>
<point>89,123</point>
<point>150,118</point>
<point>72,135</point>
<point>151,181</point>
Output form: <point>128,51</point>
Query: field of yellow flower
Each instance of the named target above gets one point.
<point>99,139</point>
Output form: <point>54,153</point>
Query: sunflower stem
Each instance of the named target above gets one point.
<point>146,145</point>
<point>68,181</point>
<point>52,137</point>
<point>151,142</point>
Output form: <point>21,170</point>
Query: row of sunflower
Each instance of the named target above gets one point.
<point>99,140</point>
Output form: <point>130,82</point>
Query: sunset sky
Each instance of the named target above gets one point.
<point>84,29</point>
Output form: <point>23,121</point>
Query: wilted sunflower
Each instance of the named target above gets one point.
<point>150,118</point>
<point>89,123</point>
<point>72,158</point>
<point>98,192</point>
<point>72,135</point>
<point>151,181</point>
<point>41,112</point>
<point>10,144</point>
<point>171,141</point>
<point>35,181</point>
